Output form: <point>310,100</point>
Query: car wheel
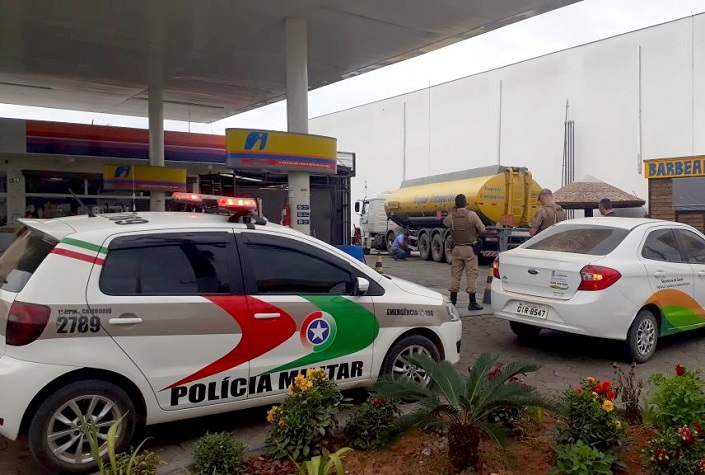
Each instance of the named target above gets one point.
<point>642,337</point>
<point>56,438</point>
<point>397,364</point>
<point>424,247</point>
<point>438,250</point>
<point>524,331</point>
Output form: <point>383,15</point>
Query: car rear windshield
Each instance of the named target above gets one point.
<point>21,259</point>
<point>580,239</point>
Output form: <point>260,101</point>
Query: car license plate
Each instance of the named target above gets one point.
<point>532,310</point>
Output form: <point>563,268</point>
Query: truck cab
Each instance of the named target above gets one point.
<point>377,231</point>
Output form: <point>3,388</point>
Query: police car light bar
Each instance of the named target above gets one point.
<point>236,207</point>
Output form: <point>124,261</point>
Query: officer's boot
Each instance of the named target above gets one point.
<point>454,298</point>
<point>474,306</point>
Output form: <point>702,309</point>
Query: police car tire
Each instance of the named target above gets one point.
<point>643,318</point>
<point>403,344</point>
<point>38,426</point>
<point>524,331</point>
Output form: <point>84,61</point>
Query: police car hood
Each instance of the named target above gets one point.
<point>416,289</point>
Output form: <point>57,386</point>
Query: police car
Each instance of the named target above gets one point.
<point>155,317</point>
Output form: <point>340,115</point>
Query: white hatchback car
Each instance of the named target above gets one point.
<point>157,317</point>
<point>618,278</point>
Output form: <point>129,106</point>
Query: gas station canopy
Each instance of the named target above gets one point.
<point>217,58</point>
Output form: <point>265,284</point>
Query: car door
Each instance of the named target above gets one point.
<point>670,277</point>
<point>693,245</point>
<point>319,322</point>
<point>174,302</point>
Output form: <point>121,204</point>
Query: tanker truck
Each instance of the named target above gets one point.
<point>505,198</point>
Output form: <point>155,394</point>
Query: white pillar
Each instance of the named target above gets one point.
<point>156,142</point>
<point>297,115</point>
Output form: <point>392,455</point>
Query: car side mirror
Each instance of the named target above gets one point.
<point>357,206</point>
<point>362,285</point>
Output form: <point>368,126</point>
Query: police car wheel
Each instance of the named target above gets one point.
<point>56,438</point>
<point>397,364</point>
<point>642,337</point>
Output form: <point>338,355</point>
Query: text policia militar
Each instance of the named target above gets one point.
<point>261,384</point>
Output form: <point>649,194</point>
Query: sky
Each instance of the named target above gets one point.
<point>574,25</point>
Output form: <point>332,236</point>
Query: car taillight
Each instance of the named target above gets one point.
<point>25,322</point>
<point>597,277</point>
<point>495,268</point>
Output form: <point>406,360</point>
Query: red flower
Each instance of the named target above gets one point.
<point>579,390</point>
<point>603,387</point>
<point>680,370</point>
<point>611,394</point>
<point>701,465</point>
<point>376,402</point>
<point>659,455</point>
<point>494,373</point>
<point>686,436</point>
<point>697,429</point>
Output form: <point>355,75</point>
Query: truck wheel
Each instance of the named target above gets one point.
<point>390,240</point>
<point>397,365</point>
<point>56,438</point>
<point>437,248</point>
<point>642,337</point>
<point>424,247</point>
<point>449,248</point>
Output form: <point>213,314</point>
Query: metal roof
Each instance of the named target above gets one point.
<point>217,58</point>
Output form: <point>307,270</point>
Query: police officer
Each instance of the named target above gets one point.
<point>548,214</point>
<point>465,227</point>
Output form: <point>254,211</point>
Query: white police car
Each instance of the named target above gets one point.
<point>155,317</point>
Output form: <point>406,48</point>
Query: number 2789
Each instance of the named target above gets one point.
<point>78,324</point>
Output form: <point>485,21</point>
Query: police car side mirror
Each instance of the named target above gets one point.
<point>357,206</point>
<point>362,285</point>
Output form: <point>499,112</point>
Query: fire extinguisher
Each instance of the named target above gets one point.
<point>286,215</point>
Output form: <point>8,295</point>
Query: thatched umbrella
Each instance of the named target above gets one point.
<point>586,194</point>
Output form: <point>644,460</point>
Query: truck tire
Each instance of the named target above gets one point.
<point>424,246</point>
<point>54,433</point>
<point>389,241</point>
<point>449,248</point>
<point>438,248</point>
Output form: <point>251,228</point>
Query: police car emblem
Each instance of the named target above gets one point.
<point>318,331</point>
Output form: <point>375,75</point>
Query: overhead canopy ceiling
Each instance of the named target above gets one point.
<point>217,58</point>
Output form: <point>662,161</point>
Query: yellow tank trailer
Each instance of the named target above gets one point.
<point>505,198</point>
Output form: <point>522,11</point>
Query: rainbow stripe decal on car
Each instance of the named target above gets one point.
<point>680,311</point>
<point>79,250</point>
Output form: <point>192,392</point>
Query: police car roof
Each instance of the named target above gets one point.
<point>140,221</point>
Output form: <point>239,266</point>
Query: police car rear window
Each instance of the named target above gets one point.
<point>579,239</point>
<point>22,258</point>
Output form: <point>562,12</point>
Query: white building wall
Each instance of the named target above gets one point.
<point>601,82</point>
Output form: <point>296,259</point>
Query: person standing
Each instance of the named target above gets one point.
<point>605,207</point>
<point>400,246</point>
<point>548,214</point>
<point>465,227</point>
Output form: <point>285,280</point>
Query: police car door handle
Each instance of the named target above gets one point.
<point>701,273</point>
<point>265,316</point>
<point>659,273</point>
<point>125,320</point>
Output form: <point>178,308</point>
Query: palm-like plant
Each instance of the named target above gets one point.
<point>462,404</point>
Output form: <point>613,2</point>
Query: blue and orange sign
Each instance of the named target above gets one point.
<point>128,177</point>
<point>282,151</point>
<point>675,167</point>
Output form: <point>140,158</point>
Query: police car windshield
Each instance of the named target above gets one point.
<point>21,259</point>
<point>579,239</point>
